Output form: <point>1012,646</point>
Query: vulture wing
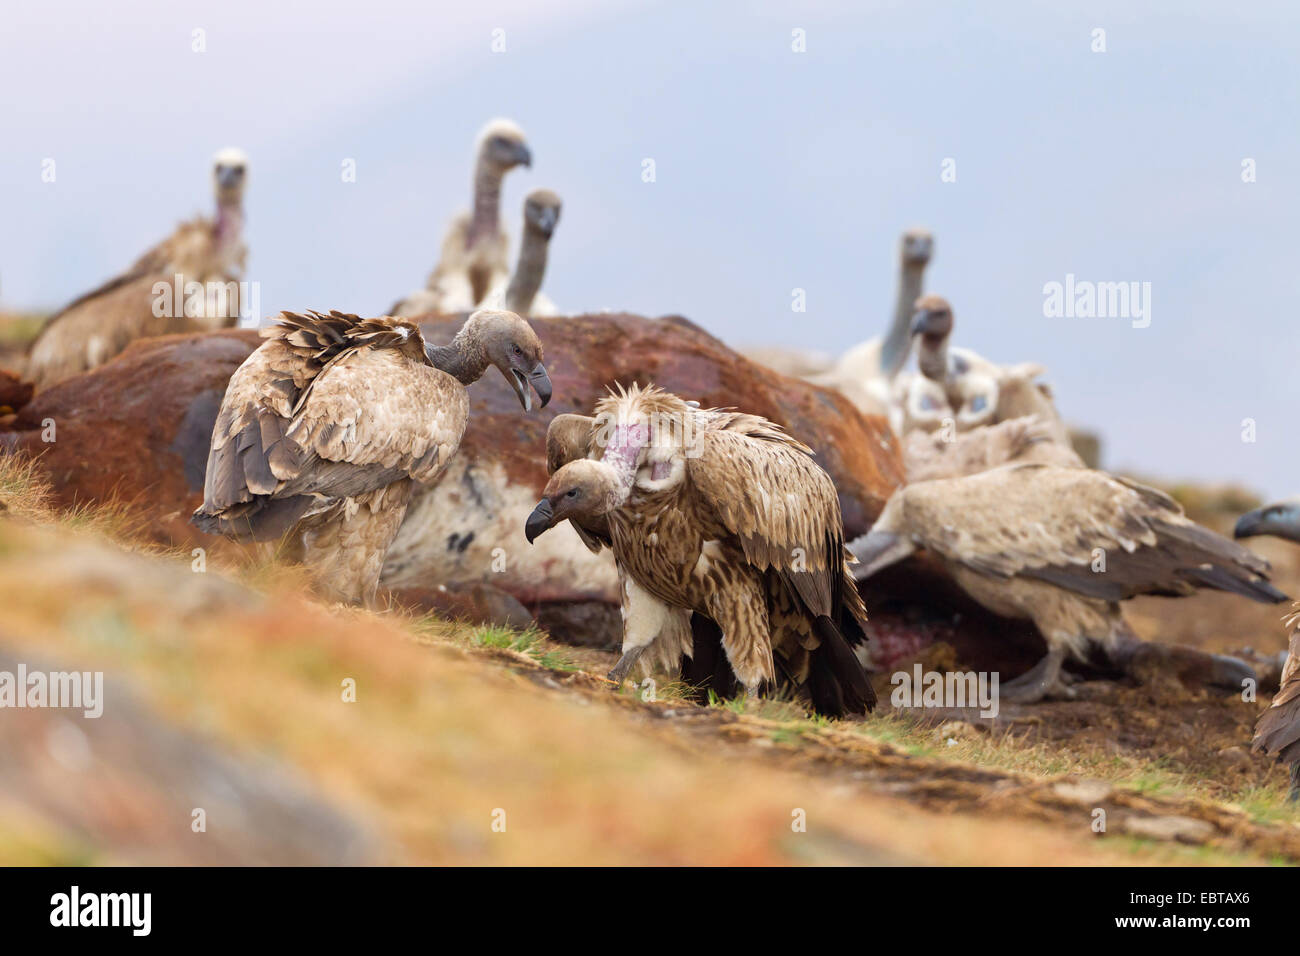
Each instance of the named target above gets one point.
<point>331,407</point>
<point>766,490</point>
<point>1054,523</point>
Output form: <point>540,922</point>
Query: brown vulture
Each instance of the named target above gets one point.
<point>324,429</point>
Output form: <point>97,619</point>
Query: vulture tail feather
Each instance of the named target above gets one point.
<point>837,680</point>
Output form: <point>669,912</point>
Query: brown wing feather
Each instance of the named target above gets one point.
<point>1051,523</point>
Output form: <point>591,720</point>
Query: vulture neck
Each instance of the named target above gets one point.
<point>893,354</point>
<point>932,359</point>
<point>229,225</point>
<point>527,280</point>
<point>485,221</point>
<point>464,359</point>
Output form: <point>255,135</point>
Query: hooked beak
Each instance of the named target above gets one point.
<point>228,176</point>
<point>926,322</point>
<point>523,156</point>
<point>540,381</point>
<point>547,221</point>
<point>540,520</point>
<point>1280,521</point>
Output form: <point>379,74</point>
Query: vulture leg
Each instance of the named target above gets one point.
<point>625,664</point>
<point>1040,681</point>
<point>741,613</point>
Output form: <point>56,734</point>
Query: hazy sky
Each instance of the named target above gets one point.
<point>775,170</point>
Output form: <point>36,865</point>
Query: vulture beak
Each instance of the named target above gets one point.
<point>540,381</point>
<point>228,176</point>
<point>540,520</point>
<point>924,322</point>
<point>546,221</point>
<point>877,550</point>
<point>1280,521</point>
<point>523,155</point>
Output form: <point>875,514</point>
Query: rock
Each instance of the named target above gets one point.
<point>1172,827</point>
<point>137,430</point>
<point>1236,757</point>
<point>127,783</point>
<point>1084,792</point>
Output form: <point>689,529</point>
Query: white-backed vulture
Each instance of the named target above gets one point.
<point>475,249</point>
<point>865,373</point>
<point>727,516</point>
<point>522,294</point>
<point>325,427</point>
<point>1278,731</point>
<point>1061,547</point>
<point>96,326</point>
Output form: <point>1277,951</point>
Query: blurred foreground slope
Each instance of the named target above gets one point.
<point>225,691</point>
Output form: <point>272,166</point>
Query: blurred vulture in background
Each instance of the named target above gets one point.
<point>930,455</point>
<point>725,515</point>
<point>324,429</point>
<point>522,295</point>
<point>961,389</point>
<point>99,324</point>
<point>1060,547</point>
<point>475,249</point>
<point>1278,731</point>
<point>866,372</point>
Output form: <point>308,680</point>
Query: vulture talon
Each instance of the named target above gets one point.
<point>625,664</point>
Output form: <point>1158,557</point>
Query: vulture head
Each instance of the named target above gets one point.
<point>918,246</point>
<point>505,340</point>
<point>581,489</point>
<point>229,173</point>
<point>542,212</point>
<point>1281,520</point>
<point>568,438</point>
<point>932,319</point>
<point>502,146</point>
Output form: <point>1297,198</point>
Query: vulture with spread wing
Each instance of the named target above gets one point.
<point>724,515</point>
<point>325,428</point>
<point>99,324</point>
<point>475,249</point>
<point>1061,547</point>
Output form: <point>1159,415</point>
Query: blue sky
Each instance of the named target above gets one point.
<point>775,170</point>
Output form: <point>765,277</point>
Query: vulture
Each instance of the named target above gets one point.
<point>523,295</point>
<point>98,325</point>
<point>474,253</point>
<point>866,372</point>
<point>723,515</point>
<point>962,386</point>
<point>326,426</point>
<point>1060,547</point>
<point>1278,731</point>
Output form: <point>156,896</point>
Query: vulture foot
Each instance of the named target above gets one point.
<point>1043,681</point>
<point>625,664</point>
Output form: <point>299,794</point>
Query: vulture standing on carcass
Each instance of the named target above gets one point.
<point>99,324</point>
<point>866,372</point>
<point>1060,547</point>
<point>324,429</point>
<point>1278,731</point>
<point>522,294</point>
<point>475,249</point>
<point>725,515</point>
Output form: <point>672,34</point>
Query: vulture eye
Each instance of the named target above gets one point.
<point>571,493</point>
<point>518,350</point>
<point>979,403</point>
